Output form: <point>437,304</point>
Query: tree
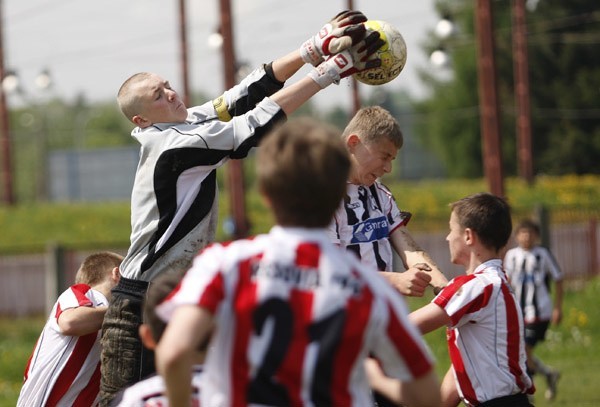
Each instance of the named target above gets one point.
<point>564,81</point>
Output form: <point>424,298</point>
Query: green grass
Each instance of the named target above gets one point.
<point>573,348</point>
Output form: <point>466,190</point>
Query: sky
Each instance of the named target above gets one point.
<point>90,48</point>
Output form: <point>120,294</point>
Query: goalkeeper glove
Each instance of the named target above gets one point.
<point>348,62</point>
<point>337,35</point>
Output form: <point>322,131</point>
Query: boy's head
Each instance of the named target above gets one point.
<point>146,98</point>
<point>373,138</point>
<point>527,233</point>
<point>302,168</point>
<point>153,327</point>
<point>481,217</point>
<point>98,268</point>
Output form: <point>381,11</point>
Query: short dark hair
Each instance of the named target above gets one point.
<point>158,290</point>
<point>487,215</point>
<point>528,224</point>
<point>302,168</point>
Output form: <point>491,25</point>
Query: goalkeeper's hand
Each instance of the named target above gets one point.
<point>349,61</point>
<point>340,33</point>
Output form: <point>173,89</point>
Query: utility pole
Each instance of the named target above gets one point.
<point>522,99</point>
<point>184,53</point>
<point>5,146</point>
<point>235,168</point>
<point>355,92</point>
<point>488,98</point>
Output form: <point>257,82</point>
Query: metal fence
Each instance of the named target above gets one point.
<point>30,283</point>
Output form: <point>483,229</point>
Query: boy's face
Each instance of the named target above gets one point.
<point>158,103</point>
<point>456,242</point>
<point>526,238</point>
<point>370,161</point>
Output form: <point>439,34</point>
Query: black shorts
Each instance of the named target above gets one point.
<point>536,332</point>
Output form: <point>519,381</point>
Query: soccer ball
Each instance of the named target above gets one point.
<point>392,55</point>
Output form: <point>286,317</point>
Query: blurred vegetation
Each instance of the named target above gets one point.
<point>564,76</point>
<point>30,227</point>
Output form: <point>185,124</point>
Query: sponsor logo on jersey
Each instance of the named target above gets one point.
<point>304,278</point>
<point>370,230</point>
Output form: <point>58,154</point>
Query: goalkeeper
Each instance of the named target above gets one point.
<point>174,199</point>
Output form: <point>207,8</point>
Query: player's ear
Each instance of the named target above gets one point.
<point>469,236</point>
<point>115,275</point>
<point>140,121</point>
<point>352,141</point>
<point>146,336</point>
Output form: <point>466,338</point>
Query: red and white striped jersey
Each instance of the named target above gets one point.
<point>151,392</point>
<point>530,273</point>
<point>485,338</point>
<point>64,370</point>
<point>363,222</point>
<point>295,317</point>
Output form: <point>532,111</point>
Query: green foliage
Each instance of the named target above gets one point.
<point>564,78</point>
<point>31,227</point>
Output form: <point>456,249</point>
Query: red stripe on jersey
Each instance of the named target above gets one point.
<point>307,255</point>
<point>415,359</point>
<point>290,371</point>
<point>475,305</point>
<point>513,337</point>
<point>213,294</point>
<point>26,373</point>
<point>72,368</point>
<point>244,304</point>
<point>459,368</point>
<point>90,391</point>
<point>79,291</point>
<point>357,315</point>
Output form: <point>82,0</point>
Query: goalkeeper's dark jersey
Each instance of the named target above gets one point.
<point>174,203</point>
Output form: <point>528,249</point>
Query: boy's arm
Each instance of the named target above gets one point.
<point>450,396</point>
<point>421,391</point>
<point>81,320</point>
<point>188,327</point>
<point>429,318</point>
<point>558,296</point>
<point>411,253</point>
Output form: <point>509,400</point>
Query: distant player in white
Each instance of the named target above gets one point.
<point>64,368</point>
<point>294,316</point>
<point>368,222</point>
<point>483,319</point>
<point>532,270</point>
<point>151,392</point>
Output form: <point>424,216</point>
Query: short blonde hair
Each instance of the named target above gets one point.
<point>97,267</point>
<point>373,123</point>
<point>127,98</point>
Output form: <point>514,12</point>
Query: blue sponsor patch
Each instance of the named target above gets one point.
<point>370,230</point>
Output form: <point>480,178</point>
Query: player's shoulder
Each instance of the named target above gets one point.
<point>138,393</point>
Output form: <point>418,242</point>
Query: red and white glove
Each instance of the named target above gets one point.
<point>348,62</point>
<point>340,33</point>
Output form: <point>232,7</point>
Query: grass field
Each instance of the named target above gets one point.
<point>573,348</point>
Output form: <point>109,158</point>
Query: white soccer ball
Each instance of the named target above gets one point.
<point>392,55</point>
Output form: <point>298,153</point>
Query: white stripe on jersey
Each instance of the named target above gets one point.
<point>64,368</point>
<point>485,339</point>
<point>293,302</point>
<point>150,392</point>
<point>529,272</point>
